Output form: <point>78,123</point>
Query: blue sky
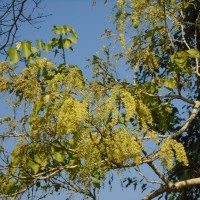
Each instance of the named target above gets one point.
<point>89,22</point>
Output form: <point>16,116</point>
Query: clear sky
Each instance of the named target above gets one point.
<point>89,22</point>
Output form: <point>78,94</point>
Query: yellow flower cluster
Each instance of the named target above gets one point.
<point>122,147</point>
<point>29,86</point>
<point>43,63</point>
<point>143,114</point>
<point>90,153</point>
<point>4,83</point>
<point>74,80</point>
<point>71,114</point>
<point>114,104</point>
<point>180,153</point>
<point>122,40</point>
<point>120,3</point>
<point>3,78</point>
<point>167,154</point>
<point>129,104</point>
<point>57,80</point>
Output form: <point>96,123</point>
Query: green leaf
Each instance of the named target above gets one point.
<point>150,34</point>
<point>34,166</point>
<point>72,31</point>
<point>172,57</point>
<point>96,182</point>
<point>194,53</point>
<point>67,43</point>
<point>47,98</point>
<point>39,107</point>
<point>34,50</point>
<point>60,29</point>
<point>73,39</point>
<point>11,187</point>
<point>59,156</point>
<point>39,43</point>
<point>46,47</point>
<point>42,161</point>
<point>170,84</point>
<point>15,160</point>
<point>179,60</point>
<point>26,48</point>
<point>56,30</point>
<point>54,42</point>
<point>14,55</point>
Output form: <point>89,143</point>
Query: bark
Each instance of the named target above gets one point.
<point>173,187</point>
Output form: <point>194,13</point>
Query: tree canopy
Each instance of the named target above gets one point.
<point>72,130</point>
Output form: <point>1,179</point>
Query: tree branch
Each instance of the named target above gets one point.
<point>173,187</point>
<point>188,121</point>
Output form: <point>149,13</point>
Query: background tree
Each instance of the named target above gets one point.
<point>73,131</point>
<point>190,139</point>
<point>15,13</point>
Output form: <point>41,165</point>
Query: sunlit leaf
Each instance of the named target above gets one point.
<point>34,50</point>
<point>59,156</point>
<point>14,55</point>
<point>46,98</point>
<point>96,182</point>
<point>194,53</point>
<point>60,29</point>
<point>67,43</point>
<point>26,48</point>
<point>39,43</point>
<point>34,166</point>
<point>46,47</point>
<point>170,84</point>
<point>73,39</point>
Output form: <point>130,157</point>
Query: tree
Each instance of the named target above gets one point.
<point>72,131</point>
<point>189,140</point>
<point>13,14</point>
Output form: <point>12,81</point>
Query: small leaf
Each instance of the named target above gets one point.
<point>60,29</point>
<point>42,161</point>
<point>59,156</point>
<point>72,31</point>
<point>170,84</point>
<point>39,43</point>
<point>96,182</point>
<point>34,50</point>
<point>179,60</point>
<point>56,30</point>
<point>150,34</point>
<point>14,55</point>
<point>39,106</point>
<point>194,53</point>
<point>46,98</point>
<point>73,39</point>
<point>67,43</point>
<point>54,42</point>
<point>34,166</point>
<point>26,48</point>
<point>46,47</point>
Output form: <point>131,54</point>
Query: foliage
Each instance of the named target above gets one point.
<point>73,131</point>
<point>189,140</point>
